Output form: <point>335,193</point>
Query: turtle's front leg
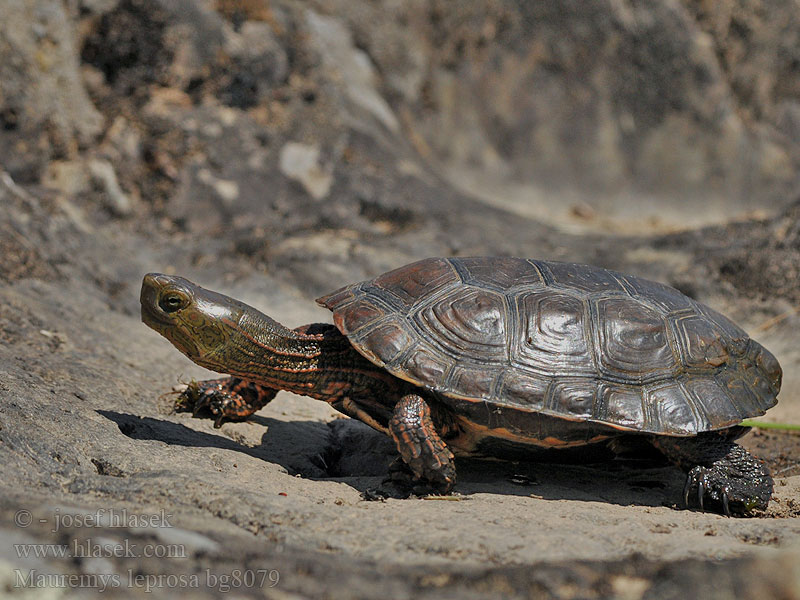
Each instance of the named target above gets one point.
<point>420,446</point>
<point>720,474</point>
<point>229,398</point>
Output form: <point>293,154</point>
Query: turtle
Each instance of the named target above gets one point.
<point>497,357</point>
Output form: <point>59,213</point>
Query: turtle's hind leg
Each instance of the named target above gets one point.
<point>229,398</point>
<point>419,444</point>
<point>721,475</point>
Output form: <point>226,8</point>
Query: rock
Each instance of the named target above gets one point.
<point>44,109</point>
<point>117,201</point>
<point>668,108</point>
<point>301,163</point>
<point>334,45</point>
<point>123,140</point>
<point>259,54</point>
<point>227,190</point>
<point>98,6</point>
<point>68,177</point>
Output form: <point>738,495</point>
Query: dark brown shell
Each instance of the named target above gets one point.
<point>569,340</point>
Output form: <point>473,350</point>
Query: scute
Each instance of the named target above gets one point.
<point>387,341</point>
<point>571,341</point>
<point>700,340</point>
<point>664,296</point>
<point>737,337</point>
<point>426,366</point>
<point>468,322</point>
<point>633,340</point>
<point>474,377</point>
<point>524,389</point>
<point>583,277</point>
<point>499,273</point>
<point>622,405</point>
<point>718,406</point>
<point>740,393</point>
<point>573,397</point>
<point>770,367</point>
<point>416,280</point>
<point>553,335</point>
<point>361,314</point>
<point>672,411</point>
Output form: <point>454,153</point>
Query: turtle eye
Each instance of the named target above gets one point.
<point>170,303</point>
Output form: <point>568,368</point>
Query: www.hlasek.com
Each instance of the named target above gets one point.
<point>100,548</point>
<point>222,582</point>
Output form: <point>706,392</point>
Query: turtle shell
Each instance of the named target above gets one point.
<point>573,341</point>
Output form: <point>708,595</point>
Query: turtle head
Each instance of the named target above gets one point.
<point>197,321</point>
<point>214,330</point>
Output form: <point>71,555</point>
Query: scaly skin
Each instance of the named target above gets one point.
<point>227,336</point>
<point>420,446</point>
<point>720,474</point>
<point>227,399</point>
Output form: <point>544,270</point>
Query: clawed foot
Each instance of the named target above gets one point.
<point>402,477</point>
<point>712,490</point>
<point>426,464</point>
<point>699,480</point>
<point>226,399</point>
<point>386,490</point>
<point>402,484</point>
<point>721,475</point>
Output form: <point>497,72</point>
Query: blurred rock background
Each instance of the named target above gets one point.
<point>660,109</point>
<point>279,149</point>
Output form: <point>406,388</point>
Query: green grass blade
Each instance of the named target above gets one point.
<point>766,425</point>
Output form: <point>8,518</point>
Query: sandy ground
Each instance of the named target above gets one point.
<point>86,426</point>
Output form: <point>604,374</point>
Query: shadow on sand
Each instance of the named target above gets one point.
<point>367,453</point>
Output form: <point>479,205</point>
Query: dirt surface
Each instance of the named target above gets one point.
<point>86,427</point>
<point>276,151</point>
